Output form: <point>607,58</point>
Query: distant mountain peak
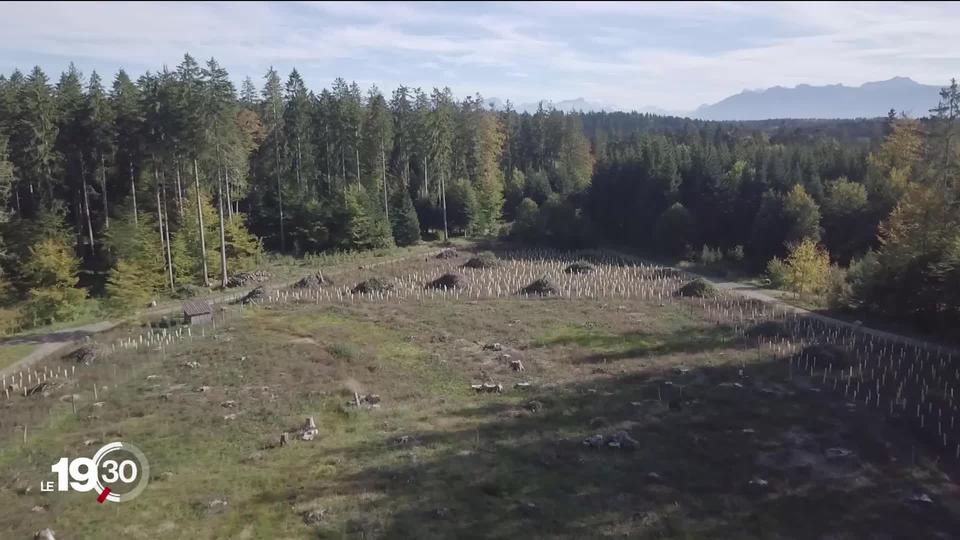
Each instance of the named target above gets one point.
<point>869,100</point>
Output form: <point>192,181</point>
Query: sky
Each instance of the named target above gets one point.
<point>631,55</point>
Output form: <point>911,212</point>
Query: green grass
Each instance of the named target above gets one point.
<point>13,353</point>
<point>436,459</point>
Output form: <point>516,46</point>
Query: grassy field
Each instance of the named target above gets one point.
<point>721,441</point>
<point>11,353</point>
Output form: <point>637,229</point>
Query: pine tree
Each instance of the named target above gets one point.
<point>406,225</point>
<point>37,134</point>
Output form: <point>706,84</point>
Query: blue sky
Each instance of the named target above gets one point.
<point>632,55</point>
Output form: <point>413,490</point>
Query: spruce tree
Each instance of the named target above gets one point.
<point>406,225</point>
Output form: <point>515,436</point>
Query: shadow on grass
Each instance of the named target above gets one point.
<point>637,344</point>
<point>519,470</point>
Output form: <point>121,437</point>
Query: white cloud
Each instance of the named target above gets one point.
<point>674,55</point>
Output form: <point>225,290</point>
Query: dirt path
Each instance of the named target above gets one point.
<point>768,296</point>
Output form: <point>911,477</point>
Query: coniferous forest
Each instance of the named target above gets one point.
<point>138,186</point>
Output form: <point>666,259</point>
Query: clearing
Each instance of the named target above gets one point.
<point>613,408</point>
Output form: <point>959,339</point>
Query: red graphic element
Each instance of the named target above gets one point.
<point>103,496</point>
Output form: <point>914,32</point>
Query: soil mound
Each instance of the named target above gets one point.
<point>446,281</point>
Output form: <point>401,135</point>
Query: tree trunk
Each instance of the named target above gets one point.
<point>163,239</point>
<point>179,191</point>
<point>133,192</point>
<point>383,172</point>
<point>276,148</point>
<point>226,174</point>
<point>223,243</point>
<point>220,168</point>
<point>103,190</point>
<point>203,243</point>
<point>357,149</point>
<point>425,188</point>
<point>443,197</point>
<point>166,229</point>
<point>78,215</point>
<point>299,162</point>
<point>86,203</point>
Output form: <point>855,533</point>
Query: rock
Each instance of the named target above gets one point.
<point>622,440</point>
<point>313,517</point>
<point>38,509</point>
<point>217,505</point>
<point>191,364</point>
<point>403,439</point>
<point>44,534</point>
<point>594,441</point>
<point>229,404</point>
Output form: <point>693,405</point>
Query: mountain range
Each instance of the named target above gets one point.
<point>869,100</point>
